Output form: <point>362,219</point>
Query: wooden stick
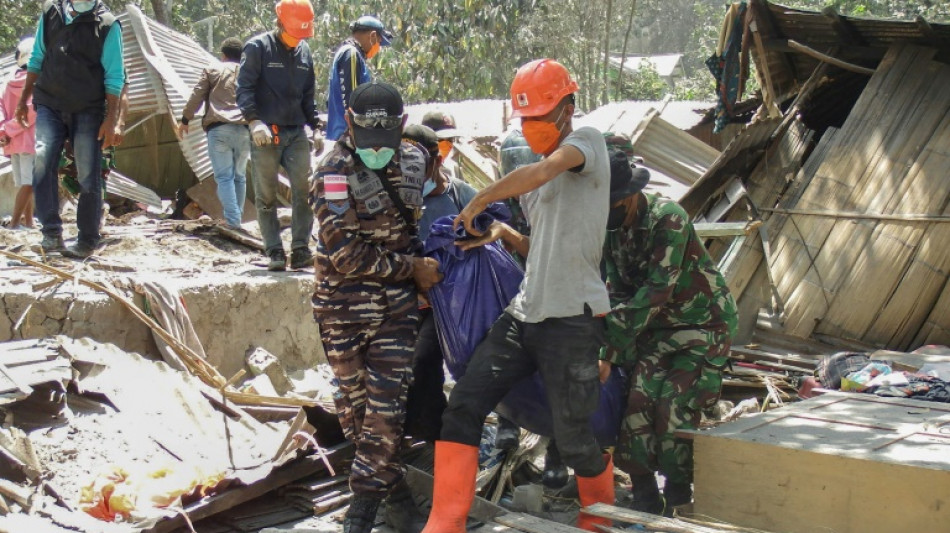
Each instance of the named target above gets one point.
<point>857,215</point>
<point>196,364</point>
<point>799,47</point>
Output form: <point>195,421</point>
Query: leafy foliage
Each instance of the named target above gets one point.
<point>461,49</point>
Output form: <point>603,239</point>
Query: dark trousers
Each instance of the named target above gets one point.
<point>426,402</point>
<point>564,351</point>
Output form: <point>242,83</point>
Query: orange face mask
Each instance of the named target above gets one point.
<point>542,136</point>
<point>286,38</point>
<point>444,148</point>
<point>373,50</point>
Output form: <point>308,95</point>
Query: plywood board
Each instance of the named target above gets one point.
<point>847,463</point>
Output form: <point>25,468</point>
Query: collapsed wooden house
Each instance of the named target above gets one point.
<point>845,167</point>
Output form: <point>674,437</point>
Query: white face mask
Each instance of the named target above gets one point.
<point>83,6</point>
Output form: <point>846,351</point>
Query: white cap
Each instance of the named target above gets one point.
<point>24,51</point>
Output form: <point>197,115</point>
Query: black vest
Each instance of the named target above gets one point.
<point>72,78</point>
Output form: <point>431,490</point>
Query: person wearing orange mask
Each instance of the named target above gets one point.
<point>443,124</point>
<point>275,91</point>
<point>350,69</point>
<point>555,324</point>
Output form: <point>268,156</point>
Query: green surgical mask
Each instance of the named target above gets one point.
<point>376,159</point>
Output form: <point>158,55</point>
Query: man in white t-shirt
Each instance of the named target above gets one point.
<point>554,325</point>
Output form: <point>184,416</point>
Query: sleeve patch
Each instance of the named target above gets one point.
<point>334,187</point>
<point>338,207</point>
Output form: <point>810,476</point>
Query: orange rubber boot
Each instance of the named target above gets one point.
<point>455,468</point>
<point>597,489</point>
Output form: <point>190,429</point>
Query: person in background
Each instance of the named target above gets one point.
<point>442,196</point>
<point>19,142</point>
<point>229,145</point>
<point>275,91</point>
<point>443,124</point>
<point>76,77</point>
<point>367,195</point>
<point>350,70</point>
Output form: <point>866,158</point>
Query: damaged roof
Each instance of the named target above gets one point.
<point>859,41</point>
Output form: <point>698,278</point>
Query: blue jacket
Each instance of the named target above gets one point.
<point>348,71</point>
<point>275,83</point>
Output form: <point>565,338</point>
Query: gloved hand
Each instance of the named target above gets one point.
<point>317,139</point>
<point>260,133</point>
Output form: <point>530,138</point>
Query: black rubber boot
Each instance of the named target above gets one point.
<point>361,515</point>
<point>508,437</point>
<point>555,473</point>
<point>401,512</point>
<point>646,495</point>
<point>676,494</point>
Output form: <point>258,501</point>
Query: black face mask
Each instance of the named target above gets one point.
<point>616,216</point>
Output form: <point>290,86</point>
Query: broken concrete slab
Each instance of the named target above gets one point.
<point>262,362</point>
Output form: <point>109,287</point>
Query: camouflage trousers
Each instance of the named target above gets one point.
<point>372,364</point>
<point>674,376</point>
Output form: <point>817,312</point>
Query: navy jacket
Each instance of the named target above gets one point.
<point>275,83</point>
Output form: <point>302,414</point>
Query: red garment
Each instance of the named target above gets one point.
<point>22,140</point>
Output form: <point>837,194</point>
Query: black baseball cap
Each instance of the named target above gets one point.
<point>371,23</point>
<point>424,136</point>
<point>442,124</point>
<point>625,178</point>
<point>376,112</point>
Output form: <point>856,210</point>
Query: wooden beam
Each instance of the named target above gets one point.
<point>871,53</point>
<point>650,522</point>
<point>798,47</point>
<point>705,230</point>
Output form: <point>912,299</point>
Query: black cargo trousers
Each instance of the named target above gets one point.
<point>564,351</point>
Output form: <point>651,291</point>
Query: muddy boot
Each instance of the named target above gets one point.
<point>597,489</point>
<point>508,437</point>
<point>401,512</point>
<point>555,473</point>
<point>676,494</point>
<point>646,495</point>
<point>361,515</point>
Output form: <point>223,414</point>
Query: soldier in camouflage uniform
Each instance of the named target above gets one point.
<point>670,325</point>
<point>366,197</point>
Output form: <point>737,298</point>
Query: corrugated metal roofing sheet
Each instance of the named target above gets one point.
<point>162,67</point>
<point>624,117</point>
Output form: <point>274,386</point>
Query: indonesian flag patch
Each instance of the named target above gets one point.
<point>334,187</point>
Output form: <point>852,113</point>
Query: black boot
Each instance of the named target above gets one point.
<point>646,495</point>
<point>508,437</point>
<point>555,473</point>
<point>676,494</point>
<point>401,512</point>
<point>361,516</point>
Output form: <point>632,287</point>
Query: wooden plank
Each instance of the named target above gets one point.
<point>533,524</point>
<point>855,252</point>
<point>705,230</point>
<point>288,473</point>
<point>649,522</point>
<point>843,174</point>
<point>205,194</point>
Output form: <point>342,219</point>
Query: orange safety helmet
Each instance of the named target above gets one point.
<point>539,86</point>
<point>296,16</point>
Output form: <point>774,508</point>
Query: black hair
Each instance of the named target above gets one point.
<point>231,48</point>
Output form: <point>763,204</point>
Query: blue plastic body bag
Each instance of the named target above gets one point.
<point>476,288</point>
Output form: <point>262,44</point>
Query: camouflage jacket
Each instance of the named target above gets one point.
<point>661,280</point>
<point>364,245</point>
